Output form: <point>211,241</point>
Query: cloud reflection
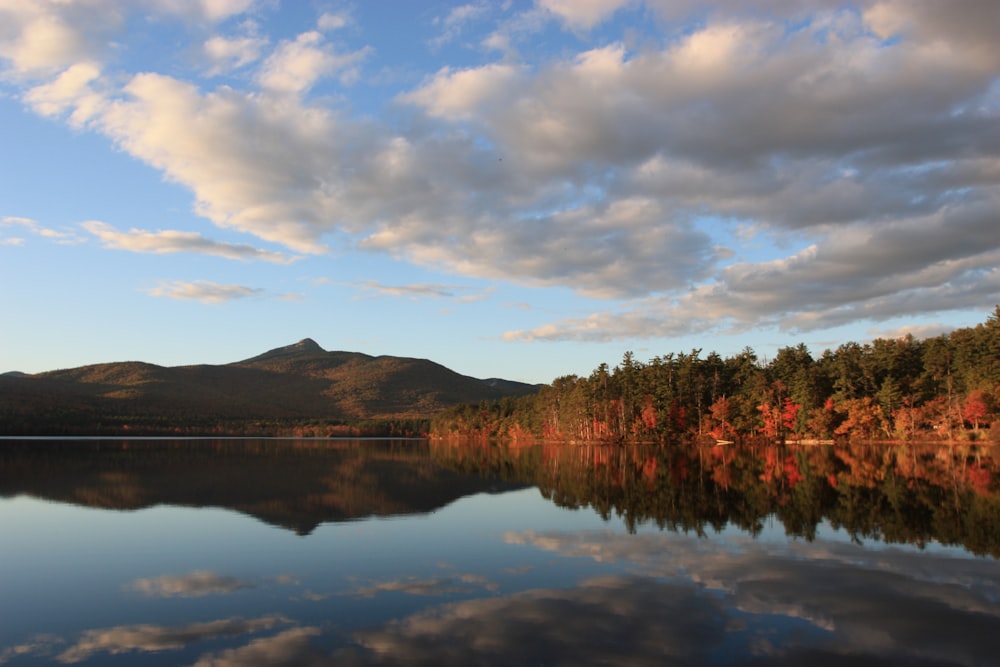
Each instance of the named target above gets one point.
<point>43,644</point>
<point>290,647</point>
<point>460,583</point>
<point>873,603</point>
<point>151,638</point>
<point>609,621</point>
<point>195,584</point>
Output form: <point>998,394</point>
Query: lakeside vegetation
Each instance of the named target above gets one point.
<point>944,388</point>
<point>941,388</point>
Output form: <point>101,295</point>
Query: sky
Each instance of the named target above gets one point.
<point>520,189</point>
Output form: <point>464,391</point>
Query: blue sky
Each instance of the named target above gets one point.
<point>513,189</point>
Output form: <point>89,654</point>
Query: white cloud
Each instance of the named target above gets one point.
<point>34,227</point>
<point>583,14</point>
<point>224,54</point>
<point>171,241</point>
<point>208,10</point>
<point>296,66</point>
<point>864,132</point>
<point>329,21</point>
<point>204,291</point>
<point>456,20</point>
<point>254,163</point>
<point>70,90</point>
<point>462,94</point>
<point>415,290</point>
<point>46,36</point>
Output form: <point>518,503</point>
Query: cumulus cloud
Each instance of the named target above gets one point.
<point>39,38</point>
<point>195,584</point>
<point>204,291</point>
<point>224,54</point>
<point>295,66</point>
<point>856,139</point>
<point>150,638</point>
<point>171,241</point>
<point>207,10</point>
<point>582,14</point>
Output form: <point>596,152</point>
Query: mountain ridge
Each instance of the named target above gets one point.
<point>297,382</point>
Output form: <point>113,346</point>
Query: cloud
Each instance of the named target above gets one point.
<point>195,584</point>
<point>857,141</point>
<point>456,20</point>
<point>150,638</point>
<point>207,10</point>
<point>204,291</point>
<point>224,54</point>
<point>39,38</point>
<point>582,14</point>
<point>416,291</point>
<point>295,66</point>
<point>71,90</point>
<point>329,21</point>
<point>463,94</point>
<point>169,241</point>
<point>36,228</point>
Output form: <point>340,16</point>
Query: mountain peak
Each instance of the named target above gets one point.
<point>306,345</point>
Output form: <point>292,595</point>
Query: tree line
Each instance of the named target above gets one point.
<point>946,387</point>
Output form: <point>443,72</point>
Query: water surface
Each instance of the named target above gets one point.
<point>300,552</point>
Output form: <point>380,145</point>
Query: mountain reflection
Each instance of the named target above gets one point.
<point>295,484</point>
<point>912,494</point>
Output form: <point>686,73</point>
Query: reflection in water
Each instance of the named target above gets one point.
<point>153,638</point>
<point>676,564</point>
<point>910,494</point>
<point>296,484</point>
<point>193,585</point>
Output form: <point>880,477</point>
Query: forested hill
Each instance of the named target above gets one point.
<point>297,389</point>
<point>947,387</point>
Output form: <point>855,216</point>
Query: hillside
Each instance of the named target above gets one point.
<point>292,384</point>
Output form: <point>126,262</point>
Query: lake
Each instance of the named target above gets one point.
<point>409,552</point>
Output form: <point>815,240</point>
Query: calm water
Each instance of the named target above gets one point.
<point>284,552</point>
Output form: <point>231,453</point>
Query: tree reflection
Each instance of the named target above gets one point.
<point>909,494</point>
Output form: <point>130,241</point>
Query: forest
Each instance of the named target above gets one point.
<point>943,388</point>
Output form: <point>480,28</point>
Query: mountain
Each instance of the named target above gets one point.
<point>298,382</point>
